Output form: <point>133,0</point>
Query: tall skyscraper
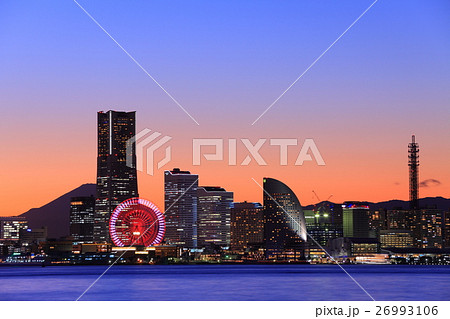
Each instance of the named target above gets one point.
<point>356,219</point>
<point>180,202</point>
<point>116,181</point>
<point>82,219</point>
<point>247,225</point>
<point>214,216</point>
<point>285,227</point>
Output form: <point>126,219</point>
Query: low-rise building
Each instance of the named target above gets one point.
<point>399,238</point>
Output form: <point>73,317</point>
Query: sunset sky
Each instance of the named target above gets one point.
<point>225,62</point>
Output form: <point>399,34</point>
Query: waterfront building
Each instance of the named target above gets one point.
<point>10,227</point>
<point>285,226</point>
<point>432,227</point>
<point>377,221</point>
<point>397,219</point>
<point>447,230</point>
<point>35,236</point>
<point>214,216</point>
<point>344,247</point>
<point>180,201</point>
<point>82,219</point>
<point>57,248</point>
<point>398,238</point>
<point>323,223</point>
<point>356,219</point>
<point>247,225</point>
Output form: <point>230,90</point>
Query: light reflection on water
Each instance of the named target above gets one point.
<point>226,282</point>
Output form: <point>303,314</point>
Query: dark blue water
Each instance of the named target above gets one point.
<point>226,282</point>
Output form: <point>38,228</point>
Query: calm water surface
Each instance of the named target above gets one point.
<point>226,282</point>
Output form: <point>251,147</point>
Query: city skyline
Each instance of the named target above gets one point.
<point>360,85</point>
<point>215,182</point>
<point>226,151</point>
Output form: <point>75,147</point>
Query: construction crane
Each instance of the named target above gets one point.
<point>316,196</point>
<point>320,205</point>
<point>319,198</point>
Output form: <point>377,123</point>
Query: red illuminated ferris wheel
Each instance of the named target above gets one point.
<point>137,222</point>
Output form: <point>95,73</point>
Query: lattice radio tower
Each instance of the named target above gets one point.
<point>413,163</point>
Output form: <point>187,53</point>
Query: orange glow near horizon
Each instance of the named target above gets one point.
<point>347,175</point>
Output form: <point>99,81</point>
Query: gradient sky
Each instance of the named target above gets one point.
<point>225,62</point>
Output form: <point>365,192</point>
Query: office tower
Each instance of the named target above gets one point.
<point>10,227</point>
<point>398,238</point>
<point>397,219</point>
<point>323,223</point>
<point>213,216</point>
<point>432,227</point>
<point>413,163</point>
<point>247,225</point>
<point>82,219</point>
<point>285,227</point>
<point>180,202</point>
<point>116,181</point>
<point>356,219</point>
